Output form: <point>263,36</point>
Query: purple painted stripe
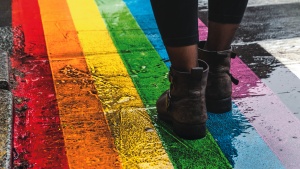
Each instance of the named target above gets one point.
<point>276,124</point>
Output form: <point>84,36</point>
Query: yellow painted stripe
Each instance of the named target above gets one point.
<point>135,136</point>
<point>88,140</point>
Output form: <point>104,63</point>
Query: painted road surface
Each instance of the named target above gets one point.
<point>85,76</point>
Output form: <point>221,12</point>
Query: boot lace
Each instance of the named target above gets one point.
<point>233,79</point>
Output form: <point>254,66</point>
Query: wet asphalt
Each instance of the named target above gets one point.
<point>269,21</point>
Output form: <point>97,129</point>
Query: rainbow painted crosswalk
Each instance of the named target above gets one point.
<point>87,74</point>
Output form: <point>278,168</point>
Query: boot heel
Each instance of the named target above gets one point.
<point>219,106</point>
<point>190,132</point>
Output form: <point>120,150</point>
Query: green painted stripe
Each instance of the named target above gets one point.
<point>149,75</point>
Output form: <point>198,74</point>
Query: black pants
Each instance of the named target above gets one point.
<point>177,20</point>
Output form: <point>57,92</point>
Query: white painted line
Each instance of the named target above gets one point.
<point>251,3</point>
<point>270,2</point>
<point>287,51</point>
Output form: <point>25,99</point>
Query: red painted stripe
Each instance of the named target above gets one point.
<point>27,15</point>
<point>38,137</point>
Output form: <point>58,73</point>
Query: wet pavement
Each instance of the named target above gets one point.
<point>6,116</point>
<point>85,76</point>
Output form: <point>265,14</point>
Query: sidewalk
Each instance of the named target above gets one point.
<point>87,73</point>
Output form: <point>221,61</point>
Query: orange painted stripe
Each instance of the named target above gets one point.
<point>88,140</point>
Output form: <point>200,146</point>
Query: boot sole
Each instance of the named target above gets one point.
<point>186,131</point>
<point>166,119</point>
<point>189,132</point>
<point>219,106</point>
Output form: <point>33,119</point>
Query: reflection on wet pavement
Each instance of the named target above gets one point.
<point>86,76</point>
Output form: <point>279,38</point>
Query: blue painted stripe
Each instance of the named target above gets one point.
<point>237,138</point>
<point>142,12</point>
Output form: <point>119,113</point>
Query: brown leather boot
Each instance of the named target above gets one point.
<point>219,82</point>
<point>184,104</point>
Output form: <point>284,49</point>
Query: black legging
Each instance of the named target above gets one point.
<point>177,20</point>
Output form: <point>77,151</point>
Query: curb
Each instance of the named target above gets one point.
<point>6,114</point>
<point>6,105</point>
<point>4,71</point>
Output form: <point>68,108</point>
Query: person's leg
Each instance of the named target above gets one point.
<point>184,104</point>
<point>224,17</point>
<point>178,26</point>
<point>220,36</point>
<point>223,21</point>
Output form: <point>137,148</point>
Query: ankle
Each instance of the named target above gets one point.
<point>216,47</point>
<point>183,58</point>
